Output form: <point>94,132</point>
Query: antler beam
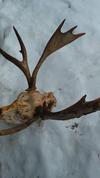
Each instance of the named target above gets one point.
<point>23,65</point>
<point>80,108</point>
<point>15,129</point>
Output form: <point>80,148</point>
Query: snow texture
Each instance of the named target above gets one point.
<point>53,149</point>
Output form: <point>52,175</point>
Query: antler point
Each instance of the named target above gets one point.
<point>60,26</point>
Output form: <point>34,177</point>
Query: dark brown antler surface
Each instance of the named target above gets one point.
<point>23,65</point>
<point>80,108</point>
<point>57,41</point>
<point>15,129</point>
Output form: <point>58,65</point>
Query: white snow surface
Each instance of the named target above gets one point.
<point>53,149</point>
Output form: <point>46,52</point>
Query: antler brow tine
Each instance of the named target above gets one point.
<point>57,41</point>
<point>22,65</point>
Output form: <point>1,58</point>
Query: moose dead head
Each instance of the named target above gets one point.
<point>31,104</point>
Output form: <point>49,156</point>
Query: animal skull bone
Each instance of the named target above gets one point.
<point>25,106</point>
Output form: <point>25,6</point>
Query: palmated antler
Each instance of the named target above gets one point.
<point>31,104</point>
<point>57,41</point>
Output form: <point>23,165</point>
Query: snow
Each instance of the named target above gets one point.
<point>53,149</point>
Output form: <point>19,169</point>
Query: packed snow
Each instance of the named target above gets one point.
<point>52,149</point>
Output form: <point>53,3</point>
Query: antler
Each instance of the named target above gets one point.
<point>57,41</point>
<point>80,108</point>
<point>23,65</point>
<point>16,128</point>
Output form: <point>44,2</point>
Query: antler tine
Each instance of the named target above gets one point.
<point>16,129</point>
<point>23,49</point>
<point>23,65</point>
<point>80,108</point>
<point>57,41</point>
